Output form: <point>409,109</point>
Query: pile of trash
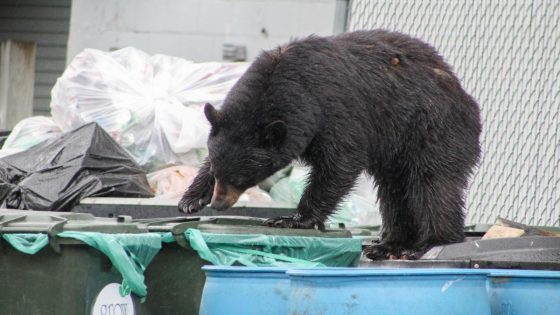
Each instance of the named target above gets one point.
<point>152,106</point>
<point>56,174</point>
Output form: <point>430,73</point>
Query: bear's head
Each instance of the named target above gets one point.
<point>242,153</point>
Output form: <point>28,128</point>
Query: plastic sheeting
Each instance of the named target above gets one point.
<point>130,254</point>
<point>357,209</point>
<point>28,243</point>
<point>31,131</point>
<point>274,250</point>
<point>57,174</point>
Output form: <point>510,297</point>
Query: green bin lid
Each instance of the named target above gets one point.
<point>26,221</point>
<point>233,225</point>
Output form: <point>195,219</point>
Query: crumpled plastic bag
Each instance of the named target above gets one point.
<point>56,174</point>
<point>27,243</point>
<point>290,189</point>
<point>151,105</point>
<point>256,195</point>
<point>130,253</point>
<point>172,182</point>
<point>357,209</point>
<point>31,131</point>
<point>365,209</point>
<point>273,250</point>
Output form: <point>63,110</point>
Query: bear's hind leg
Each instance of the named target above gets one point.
<point>437,205</point>
<point>399,232</point>
<point>429,212</point>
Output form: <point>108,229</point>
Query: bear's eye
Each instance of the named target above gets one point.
<point>238,181</point>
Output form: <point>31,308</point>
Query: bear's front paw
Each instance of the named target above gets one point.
<point>378,251</point>
<point>295,221</point>
<point>194,201</point>
<point>381,251</point>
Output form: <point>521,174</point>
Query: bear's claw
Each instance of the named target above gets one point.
<point>295,221</point>
<point>193,202</point>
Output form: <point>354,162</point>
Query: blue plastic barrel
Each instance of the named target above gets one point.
<point>388,291</point>
<point>245,290</point>
<point>525,292</point>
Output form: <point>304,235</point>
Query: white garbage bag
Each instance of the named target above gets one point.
<point>151,105</point>
<point>31,131</point>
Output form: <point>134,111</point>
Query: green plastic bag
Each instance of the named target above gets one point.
<point>129,253</point>
<point>28,243</point>
<point>167,237</point>
<point>274,251</point>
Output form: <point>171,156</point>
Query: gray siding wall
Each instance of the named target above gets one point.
<point>47,23</point>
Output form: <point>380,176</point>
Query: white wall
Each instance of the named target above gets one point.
<point>197,29</point>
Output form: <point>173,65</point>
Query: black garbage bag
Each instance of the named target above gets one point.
<point>56,174</point>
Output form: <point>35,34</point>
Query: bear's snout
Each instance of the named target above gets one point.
<point>224,196</point>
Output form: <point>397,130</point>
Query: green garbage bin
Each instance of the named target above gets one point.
<point>72,263</point>
<point>175,278</point>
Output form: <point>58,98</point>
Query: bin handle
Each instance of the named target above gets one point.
<point>53,231</point>
<point>57,227</point>
<point>182,241</point>
<point>55,245</point>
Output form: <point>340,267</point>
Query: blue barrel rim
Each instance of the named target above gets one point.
<point>361,272</point>
<point>520,273</point>
<point>383,272</point>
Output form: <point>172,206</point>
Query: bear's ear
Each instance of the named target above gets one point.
<point>212,114</point>
<point>275,133</point>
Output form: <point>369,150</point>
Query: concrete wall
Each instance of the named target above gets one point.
<point>197,29</point>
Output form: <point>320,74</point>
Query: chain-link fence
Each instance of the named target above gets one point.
<point>507,54</point>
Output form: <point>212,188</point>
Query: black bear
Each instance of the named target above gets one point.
<point>375,101</point>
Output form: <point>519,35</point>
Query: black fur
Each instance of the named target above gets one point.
<point>374,101</point>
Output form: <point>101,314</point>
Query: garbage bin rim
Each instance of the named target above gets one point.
<point>517,273</point>
<point>383,272</point>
